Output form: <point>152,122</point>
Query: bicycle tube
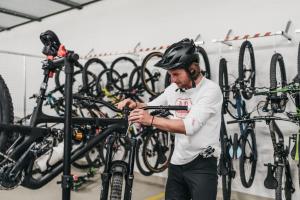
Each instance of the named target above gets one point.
<point>243,70</point>
<point>277,58</point>
<point>123,75</point>
<point>249,140</point>
<point>6,113</point>
<point>153,76</point>
<point>206,68</point>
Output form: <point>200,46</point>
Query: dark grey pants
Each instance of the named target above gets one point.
<point>196,180</point>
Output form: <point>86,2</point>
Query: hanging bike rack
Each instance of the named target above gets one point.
<point>198,41</point>
<point>229,37</point>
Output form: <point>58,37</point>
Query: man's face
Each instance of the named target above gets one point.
<point>180,77</point>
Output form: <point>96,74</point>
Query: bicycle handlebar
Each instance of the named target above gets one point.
<point>260,119</point>
<point>169,107</point>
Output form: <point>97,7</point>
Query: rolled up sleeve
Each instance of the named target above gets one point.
<point>200,112</point>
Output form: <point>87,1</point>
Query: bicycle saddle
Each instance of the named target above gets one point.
<point>270,181</point>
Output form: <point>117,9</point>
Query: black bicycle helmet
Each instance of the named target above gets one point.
<point>179,55</point>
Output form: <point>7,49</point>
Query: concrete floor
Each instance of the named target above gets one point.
<point>144,188</point>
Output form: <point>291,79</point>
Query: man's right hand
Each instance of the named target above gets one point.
<point>127,102</point>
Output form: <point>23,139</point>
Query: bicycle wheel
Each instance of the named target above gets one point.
<point>225,168</point>
<point>247,69</point>
<point>278,99</point>
<point>139,159</point>
<point>116,186</point>
<point>105,84</point>
<point>204,62</point>
<point>157,151</point>
<point>223,82</point>
<point>6,115</point>
<point>297,80</point>
<point>248,158</point>
<point>124,66</point>
<point>156,76</point>
<point>77,81</point>
<point>91,69</point>
<point>135,80</point>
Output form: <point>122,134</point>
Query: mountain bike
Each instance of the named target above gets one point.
<point>244,146</point>
<point>119,172</point>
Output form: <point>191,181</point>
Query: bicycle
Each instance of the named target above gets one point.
<point>244,146</point>
<point>20,150</point>
<point>280,158</point>
<point>116,172</point>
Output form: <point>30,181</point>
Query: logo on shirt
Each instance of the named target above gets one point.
<point>182,102</point>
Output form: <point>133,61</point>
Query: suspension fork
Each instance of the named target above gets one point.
<point>130,175</point>
<point>105,176</point>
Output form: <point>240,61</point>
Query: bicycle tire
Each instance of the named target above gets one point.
<point>288,184</point>
<point>109,85</point>
<point>123,75</point>
<point>223,83</point>
<point>116,186</point>
<point>160,148</point>
<point>87,68</point>
<point>247,92</point>
<point>252,157</point>
<point>279,102</point>
<point>225,164</point>
<point>278,176</point>
<point>6,114</point>
<point>206,71</point>
<point>143,170</point>
<point>138,83</point>
<point>154,77</point>
<point>60,86</point>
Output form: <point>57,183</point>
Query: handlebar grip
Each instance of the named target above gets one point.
<point>232,122</point>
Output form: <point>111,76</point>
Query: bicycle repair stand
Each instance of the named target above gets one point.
<point>67,179</point>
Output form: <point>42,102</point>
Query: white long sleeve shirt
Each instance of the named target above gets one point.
<point>202,122</point>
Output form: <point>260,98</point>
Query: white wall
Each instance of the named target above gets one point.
<point>115,25</point>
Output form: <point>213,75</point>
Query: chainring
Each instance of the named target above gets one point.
<point>6,182</point>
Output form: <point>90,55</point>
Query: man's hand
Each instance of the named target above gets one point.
<point>127,102</point>
<point>140,116</point>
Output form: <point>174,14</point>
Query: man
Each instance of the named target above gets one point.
<point>193,169</point>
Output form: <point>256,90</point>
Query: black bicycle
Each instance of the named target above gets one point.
<point>22,146</point>
<point>244,146</point>
<point>118,172</point>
